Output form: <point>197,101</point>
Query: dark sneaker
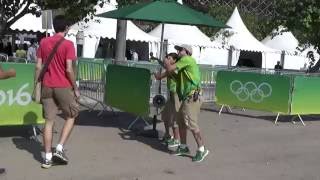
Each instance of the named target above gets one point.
<point>173,143</point>
<point>2,171</point>
<point>46,164</point>
<point>182,151</point>
<point>60,157</point>
<point>200,155</point>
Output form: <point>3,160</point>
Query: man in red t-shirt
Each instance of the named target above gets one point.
<point>59,89</point>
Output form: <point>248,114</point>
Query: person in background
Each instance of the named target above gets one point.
<point>152,58</point>
<point>8,49</point>
<point>25,47</point>
<point>170,111</point>
<point>32,52</point>
<point>135,56</point>
<point>278,66</point>
<point>21,53</point>
<point>1,47</point>
<point>128,54</point>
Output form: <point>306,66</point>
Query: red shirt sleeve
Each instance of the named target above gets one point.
<point>70,53</point>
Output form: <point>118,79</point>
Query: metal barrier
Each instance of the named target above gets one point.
<point>91,79</point>
<point>208,83</point>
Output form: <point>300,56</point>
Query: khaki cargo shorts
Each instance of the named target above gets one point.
<point>189,113</point>
<point>171,109</point>
<point>53,99</point>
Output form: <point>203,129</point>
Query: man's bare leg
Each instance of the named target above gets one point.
<point>66,131</point>
<point>197,136</point>
<point>47,135</point>
<point>59,154</point>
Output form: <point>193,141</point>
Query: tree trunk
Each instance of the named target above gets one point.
<point>2,29</point>
<point>2,22</point>
<point>121,40</point>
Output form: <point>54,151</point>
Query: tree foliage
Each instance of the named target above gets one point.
<point>258,25</point>
<point>302,18</point>
<point>75,10</point>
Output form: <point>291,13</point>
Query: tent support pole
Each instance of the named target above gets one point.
<point>153,133</point>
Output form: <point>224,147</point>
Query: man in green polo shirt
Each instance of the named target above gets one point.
<point>188,89</point>
<point>171,109</point>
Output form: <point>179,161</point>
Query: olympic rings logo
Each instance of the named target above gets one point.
<point>250,91</point>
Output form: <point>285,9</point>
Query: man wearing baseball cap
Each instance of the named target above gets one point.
<point>188,89</point>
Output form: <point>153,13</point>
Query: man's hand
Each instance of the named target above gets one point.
<point>157,76</point>
<point>77,93</point>
<point>11,73</point>
<point>166,63</point>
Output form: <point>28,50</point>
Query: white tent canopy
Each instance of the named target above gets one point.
<point>214,56</point>
<point>23,24</point>
<point>239,36</point>
<point>182,34</point>
<point>106,28</point>
<point>284,41</point>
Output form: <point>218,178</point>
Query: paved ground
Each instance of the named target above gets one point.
<point>243,145</point>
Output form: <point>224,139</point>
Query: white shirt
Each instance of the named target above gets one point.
<point>32,54</point>
<point>135,56</point>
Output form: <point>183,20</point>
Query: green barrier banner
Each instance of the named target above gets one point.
<point>254,91</point>
<point>16,106</point>
<point>128,88</point>
<point>305,96</point>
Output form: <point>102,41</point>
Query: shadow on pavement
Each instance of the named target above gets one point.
<point>109,119</point>
<point>18,131</point>
<point>152,142</point>
<point>266,116</point>
<point>121,121</point>
<point>29,145</point>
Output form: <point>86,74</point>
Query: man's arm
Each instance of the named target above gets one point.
<point>71,77</point>
<point>160,76</point>
<point>38,69</point>
<point>170,67</point>
<point>7,74</point>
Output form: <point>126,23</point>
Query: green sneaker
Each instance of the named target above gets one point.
<point>166,139</point>
<point>200,155</point>
<point>182,151</point>
<point>173,143</point>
